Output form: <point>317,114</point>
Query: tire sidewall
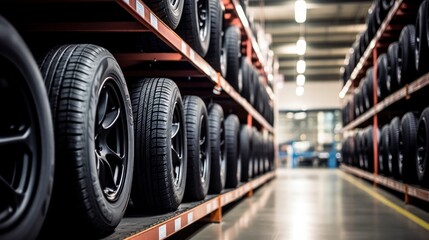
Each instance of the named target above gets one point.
<point>110,212</point>
<point>18,53</point>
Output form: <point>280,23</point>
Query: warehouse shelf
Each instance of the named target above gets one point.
<point>387,33</point>
<point>138,18</point>
<point>143,14</point>
<point>165,225</point>
<point>403,93</point>
<point>406,189</point>
<point>239,17</point>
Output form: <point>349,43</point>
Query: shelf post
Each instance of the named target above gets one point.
<point>249,49</point>
<point>216,215</point>
<point>406,197</point>
<point>375,118</point>
<point>249,120</point>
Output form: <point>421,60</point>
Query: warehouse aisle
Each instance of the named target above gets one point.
<point>315,204</point>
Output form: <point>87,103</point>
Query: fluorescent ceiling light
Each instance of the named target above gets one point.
<point>300,80</point>
<point>301,46</point>
<point>300,66</point>
<point>299,91</point>
<point>300,11</point>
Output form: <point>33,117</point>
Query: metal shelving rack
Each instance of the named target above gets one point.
<point>162,226</point>
<point>406,189</point>
<point>141,19</point>
<point>403,12</point>
<point>136,17</point>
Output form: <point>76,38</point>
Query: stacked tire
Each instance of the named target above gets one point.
<point>375,18</point>
<point>402,145</point>
<point>80,141</point>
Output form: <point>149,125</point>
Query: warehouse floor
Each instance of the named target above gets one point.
<point>317,204</point>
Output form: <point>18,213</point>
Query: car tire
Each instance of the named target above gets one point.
<point>161,146</point>
<point>94,137</point>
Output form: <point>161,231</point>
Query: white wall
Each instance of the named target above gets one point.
<point>317,95</point>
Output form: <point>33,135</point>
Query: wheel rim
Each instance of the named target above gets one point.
<point>202,19</point>
<point>399,64</point>
<point>401,156</point>
<point>222,155</point>
<point>111,140</point>
<point>418,42</point>
<point>223,61</point>
<point>203,149</point>
<point>389,155</point>
<point>177,146</point>
<point>421,147</point>
<point>174,3</point>
<point>19,146</point>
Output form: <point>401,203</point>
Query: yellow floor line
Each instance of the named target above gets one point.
<point>385,201</point>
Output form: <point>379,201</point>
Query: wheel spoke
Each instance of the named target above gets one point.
<point>17,139</point>
<point>10,193</point>
<point>106,174</point>
<point>175,129</point>
<point>176,157</point>
<point>202,141</point>
<point>102,107</point>
<point>111,118</point>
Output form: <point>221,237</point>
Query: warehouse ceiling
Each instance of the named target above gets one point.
<point>330,29</point>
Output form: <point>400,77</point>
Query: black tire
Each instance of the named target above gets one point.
<point>233,159</point>
<point>422,48</point>
<point>245,152</point>
<point>361,149</point>
<point>392,68</point>
<point>194,27</point>
<point>199,156</point>
<point>406,70</point>
<point>394,130</point>
<point>356,102</point>
<point>255,86</point>
<point>216,55</point>
<point>26,140</point>
<point>382,8</point>
<point>232,45</point>
<point>369,95</point>
<point>408,147</point>
<point>356,149</point>
<point>383,155</point>
<point>93,127</point>
<point>218,151</point>
<point>169,11</point>
<point>161,148</point>
<point>255,151</point>
<point>247,80</point>
<point>371,24</point>
<point>422,148</point>
<point>362,96</point>
<point>386,5</point>
<point>368,144</point>
<point>382,90</point>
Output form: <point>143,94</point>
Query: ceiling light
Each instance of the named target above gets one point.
<point>300,80</point>
<point>300,66</point>
<point>301,46</point>
<point>300,11</point>
<point>299,91</point>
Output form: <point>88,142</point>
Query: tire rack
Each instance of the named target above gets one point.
<point>389,30</point>
<point>406,189</point>
<point>162,226</point>
<point>150,21</point>
<point>144,20</point>
<point>405,92</point>
<point>402,12</point>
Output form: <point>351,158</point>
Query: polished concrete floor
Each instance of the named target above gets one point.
<point>314,204</point>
